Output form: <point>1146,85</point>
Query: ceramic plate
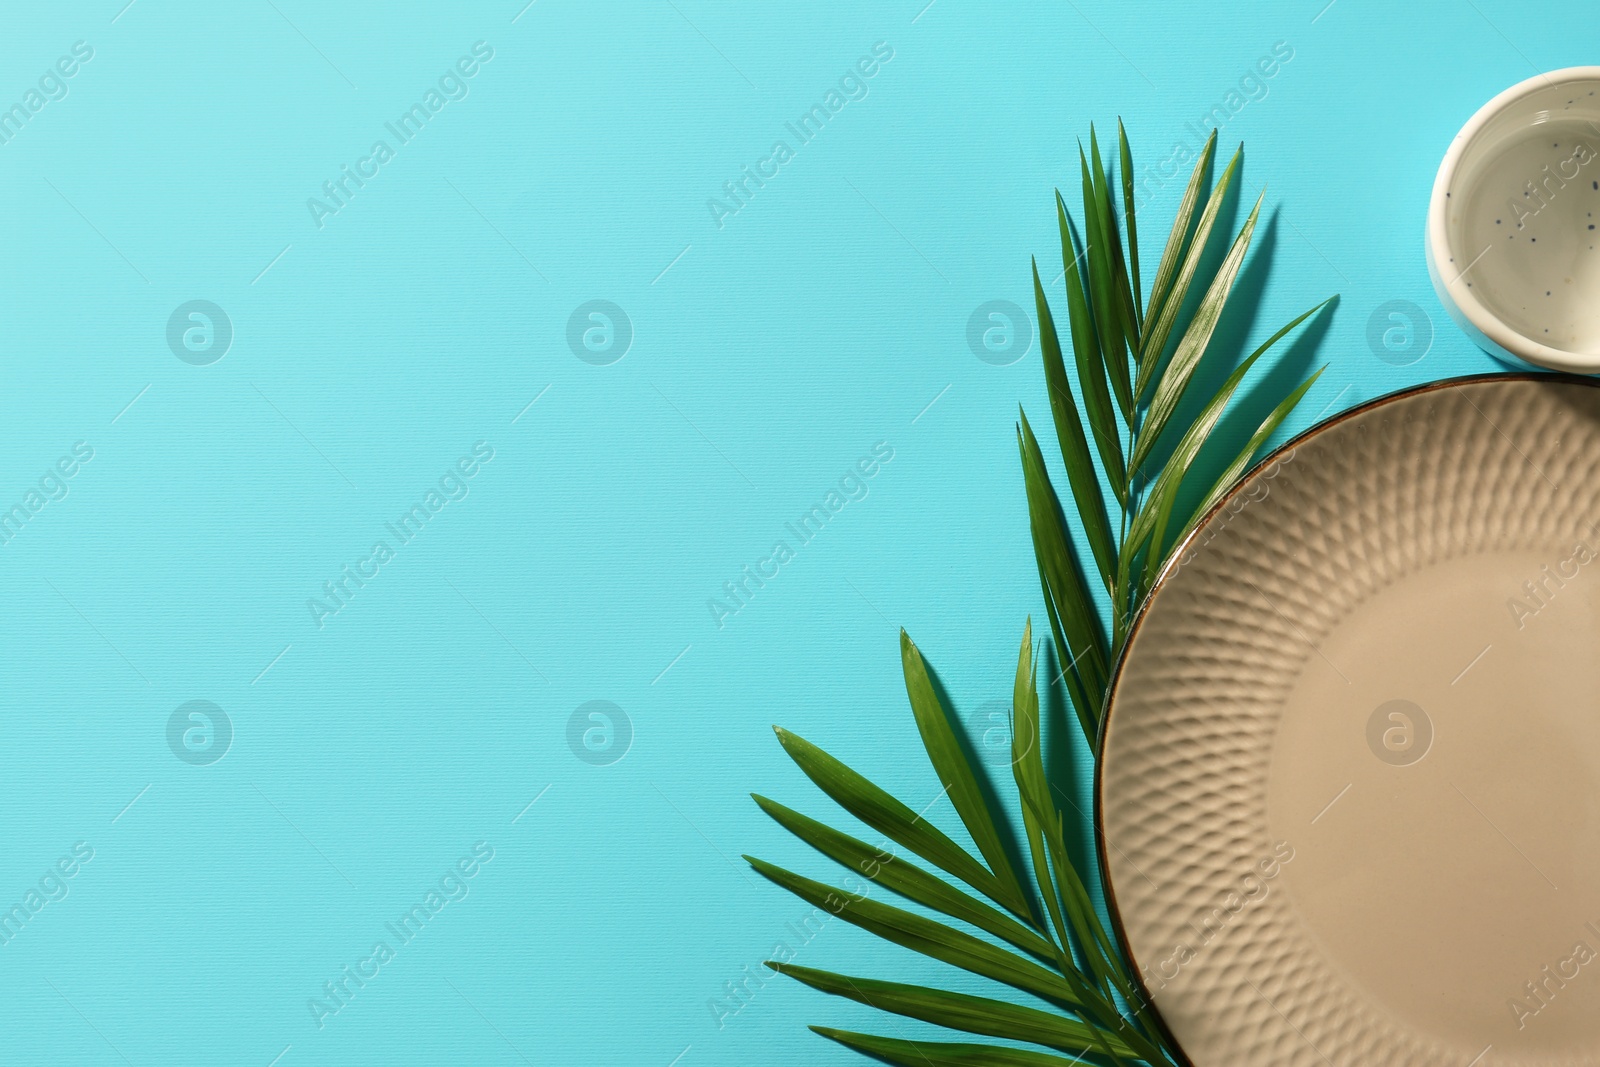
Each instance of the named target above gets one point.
<point>1349,785</point>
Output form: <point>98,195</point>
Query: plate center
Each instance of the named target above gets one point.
<point>1528,232</point>
<point>1437,770</point>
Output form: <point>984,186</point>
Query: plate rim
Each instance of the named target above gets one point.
<point>1113,910</point>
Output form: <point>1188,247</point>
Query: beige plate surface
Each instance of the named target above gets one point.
<point>1350,776</point>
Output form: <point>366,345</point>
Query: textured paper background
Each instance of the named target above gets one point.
<point>373,347</point>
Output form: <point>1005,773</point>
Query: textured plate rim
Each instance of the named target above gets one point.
<point>1167,569</point>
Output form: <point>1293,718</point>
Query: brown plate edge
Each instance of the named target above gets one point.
<point>1115,913</point>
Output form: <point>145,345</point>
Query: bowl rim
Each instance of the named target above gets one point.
<point>1457,294</point>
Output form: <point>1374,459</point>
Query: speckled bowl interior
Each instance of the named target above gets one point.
<point>1521,211</point>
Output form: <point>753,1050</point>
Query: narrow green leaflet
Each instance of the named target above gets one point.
<point>1044,821</point>
<point>1180,369</point>
<point>888,816</point>
<point>1122,600</point>
<point>1172,257</point>
<point>1082,706</point>
<point>955,773</point>
<point>1081,477</point>
<point>1125,167</point>
<point>941,1054</point>
<point>1085,652</point>
<point>1087,356</point>
<point>1105,324</point>
<point>907,879</point>
<point>1122,295</point>
<point>1027,765</point>
<point>1156,336</point>
<point>925,936</point>
<point>1093,981</point>
<point>958,1011</point>
<point>1095,948</point>
<point>1161,503</point>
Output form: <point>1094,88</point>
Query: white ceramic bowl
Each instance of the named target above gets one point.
<point>1513,248</point>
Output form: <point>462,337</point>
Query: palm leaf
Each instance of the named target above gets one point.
<point>1066,956</point>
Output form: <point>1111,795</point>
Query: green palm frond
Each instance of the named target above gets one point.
<point>1034,926</point>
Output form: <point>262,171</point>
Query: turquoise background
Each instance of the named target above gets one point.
<point>767,356</point>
